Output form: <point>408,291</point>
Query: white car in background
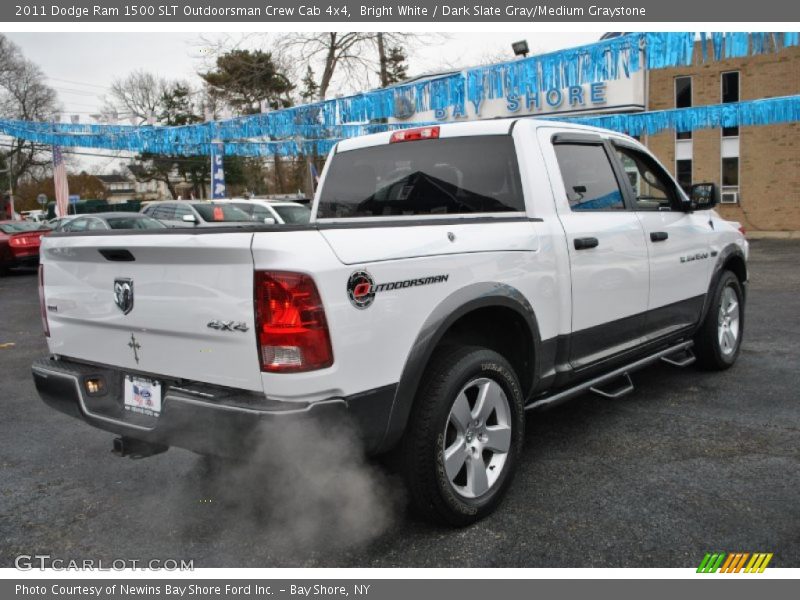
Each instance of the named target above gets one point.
<point>281,212</point>
<point>195,213</point>
<point>58,223</point>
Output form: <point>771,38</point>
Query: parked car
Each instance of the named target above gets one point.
<point>456,276</point>
<point>110,220</point>
<point>200,213</point>
<point>58,222</point>
<point>19,244</point>
<point>36,216</point>
<point>272,211</point>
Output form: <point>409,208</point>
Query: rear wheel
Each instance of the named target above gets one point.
<point>464,436</point>
<point>719,339</point>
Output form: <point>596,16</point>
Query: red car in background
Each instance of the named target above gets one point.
<point>19,244</point>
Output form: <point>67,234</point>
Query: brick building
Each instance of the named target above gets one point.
<point>758,168</point>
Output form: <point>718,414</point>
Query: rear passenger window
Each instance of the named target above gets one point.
<point>181,211</point>
<point>164,211</point>
<point>251,210</point>
<point>259,213</point>
<point>95,225</point>
<point>77,224</point>
<point>588,177</point>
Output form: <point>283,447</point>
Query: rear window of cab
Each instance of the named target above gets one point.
<point>446,176</point>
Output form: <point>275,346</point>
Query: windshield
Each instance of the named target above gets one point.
<point>134,223</point>
<point>293,214</point>
<point>215,212</point>
<point>20,226</point>
<point>461,175</point>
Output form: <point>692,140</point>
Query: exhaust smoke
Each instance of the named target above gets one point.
<point>305,487</point>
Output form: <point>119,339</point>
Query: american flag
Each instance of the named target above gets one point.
<point>60,181</point>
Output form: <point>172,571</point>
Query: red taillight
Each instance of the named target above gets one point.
<point>24,241</point>
<point>742,230</point>
<point>411,135</point>
<point>292,329</point>
<point>42,305</point>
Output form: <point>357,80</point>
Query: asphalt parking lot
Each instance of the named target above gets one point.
<point>691,462</point>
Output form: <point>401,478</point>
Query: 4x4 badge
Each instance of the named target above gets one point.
<point>123,295</point>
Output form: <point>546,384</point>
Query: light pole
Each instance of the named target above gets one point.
<point>520,48</point>
<point>10,187</point>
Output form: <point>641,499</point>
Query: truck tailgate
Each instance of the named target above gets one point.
<point>180,284</point>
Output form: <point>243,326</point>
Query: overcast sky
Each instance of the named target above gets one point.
<point>81,66</point>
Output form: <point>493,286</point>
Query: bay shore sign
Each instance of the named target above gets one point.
<point>617,95</point>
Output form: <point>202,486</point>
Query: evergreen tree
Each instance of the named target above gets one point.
<point>245,78</point>
<point>310,86</point>
<point>396,68</point>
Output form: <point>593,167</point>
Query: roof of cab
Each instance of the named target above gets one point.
<point>465,128</point>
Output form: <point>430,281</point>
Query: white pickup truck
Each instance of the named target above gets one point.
<point>451,278</point>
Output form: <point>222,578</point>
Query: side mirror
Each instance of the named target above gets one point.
<point>269,221</point>
<point>189,219</point>
<point>703,196</point>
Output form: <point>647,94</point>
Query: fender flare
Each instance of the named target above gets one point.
<point>447,312</point>
<point>724,255</point>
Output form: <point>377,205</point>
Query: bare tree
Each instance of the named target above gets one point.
<point>356,56</point>
<point>146,97</point>
<point>24,96</point>
<point>340,61</point>
<point>137,96</point>
<point>348,51</point>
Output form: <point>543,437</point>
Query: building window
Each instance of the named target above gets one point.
<point>730,180</point>
<point>730,93</point>
<point>683,99</point>
<point>683,173</point>
<point>730,172</point>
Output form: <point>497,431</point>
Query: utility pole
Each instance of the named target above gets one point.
<point>382,59</point>
<point>10,188</point>
<point>10,185</point>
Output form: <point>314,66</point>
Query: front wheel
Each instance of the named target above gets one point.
<point>719,339</point>
<point>464,437</point>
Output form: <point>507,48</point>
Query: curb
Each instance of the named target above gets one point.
<point>773,235</point>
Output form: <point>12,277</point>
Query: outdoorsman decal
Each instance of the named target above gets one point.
<point>361,288</point>
<point>385,287</point>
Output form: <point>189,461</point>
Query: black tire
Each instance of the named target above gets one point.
<point>709,351</point>
<point>431,492</point>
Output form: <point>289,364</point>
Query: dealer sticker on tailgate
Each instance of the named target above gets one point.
<point>142,396</point>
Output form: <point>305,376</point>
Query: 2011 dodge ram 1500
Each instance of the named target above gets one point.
<point>451,278</point>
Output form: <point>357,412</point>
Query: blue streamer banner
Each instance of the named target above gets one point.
<point>768,111</point>
<point>314,128</point>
